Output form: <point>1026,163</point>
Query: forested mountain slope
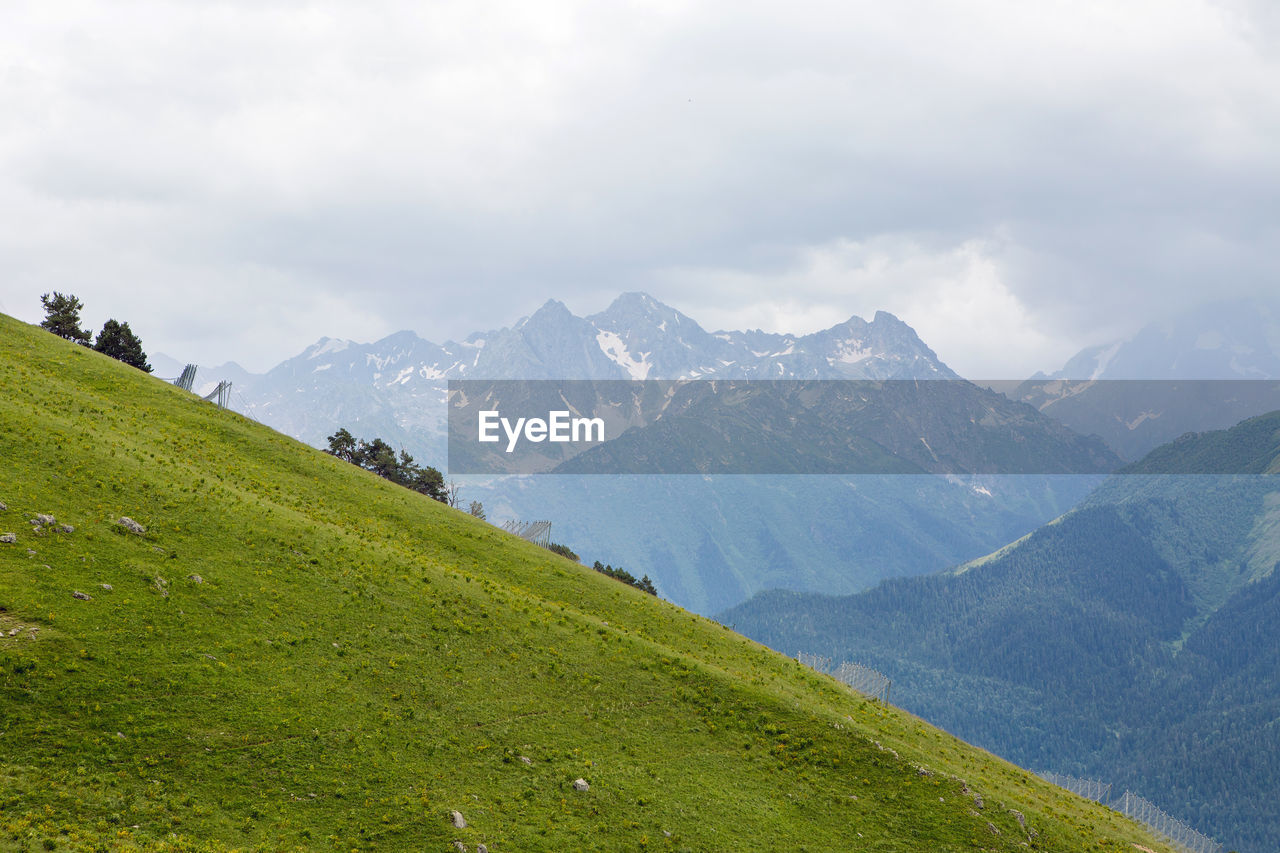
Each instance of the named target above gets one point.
<point>1132,640</point>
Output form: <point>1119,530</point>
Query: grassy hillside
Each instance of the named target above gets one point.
<point>298,655</point>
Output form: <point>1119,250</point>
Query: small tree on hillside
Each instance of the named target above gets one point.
<point>342,444</point>
<point>563,551</point>
<point>477,509</point>
<point>380,458</point>
<point>118,341</point>
<point>62,317</point>
<point>428,481</point>
<point>626,577</point>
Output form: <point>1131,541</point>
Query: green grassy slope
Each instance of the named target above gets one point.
<point>299,655</point>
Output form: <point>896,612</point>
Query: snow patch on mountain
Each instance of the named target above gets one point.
<point>431,371</point>
<point>327,345</point>
<point>1104,358</point>
<point>851,352</point>
<point>476,344</point>
<point>1144,416</point>
<point>612,346</point>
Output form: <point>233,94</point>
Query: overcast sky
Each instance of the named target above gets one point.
<point>1014,179</point>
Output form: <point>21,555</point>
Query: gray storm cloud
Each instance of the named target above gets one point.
<point>1015,180</point>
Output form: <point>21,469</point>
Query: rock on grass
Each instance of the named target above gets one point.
<point>130,525</point>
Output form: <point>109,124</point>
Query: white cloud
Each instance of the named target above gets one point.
<point>448,166</point>
<point>956,297</point>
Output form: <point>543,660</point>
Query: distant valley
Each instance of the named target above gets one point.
<point>1133,640</point>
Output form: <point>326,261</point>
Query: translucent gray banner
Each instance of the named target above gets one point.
<point>855,426</point>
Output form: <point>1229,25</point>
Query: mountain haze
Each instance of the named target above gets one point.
<point>1205,369</point>
<point>1221,340</point>
<point>831,534</point>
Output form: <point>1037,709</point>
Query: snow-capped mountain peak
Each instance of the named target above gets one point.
<point>394,387</point>
<point>324,346</point>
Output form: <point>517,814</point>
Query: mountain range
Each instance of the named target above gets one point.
<point>1131,640</point>
<point>845,535</point>
<point>394,387</point>
<point>845,427</point>
<point>723,541</point>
